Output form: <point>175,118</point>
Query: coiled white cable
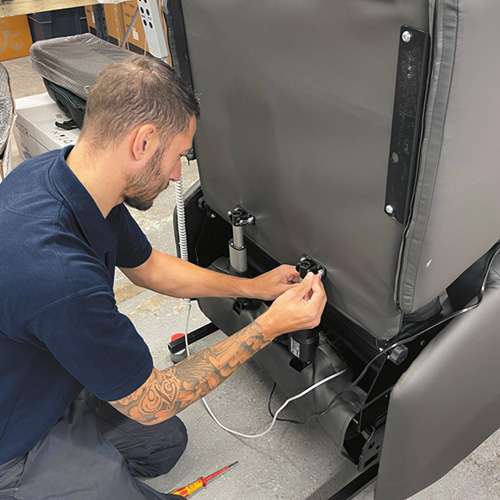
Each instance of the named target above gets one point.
<point>181,219</point>
<point>183,246</point>
<point>181,227</point>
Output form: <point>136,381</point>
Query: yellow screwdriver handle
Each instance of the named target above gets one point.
<point>189,489</point>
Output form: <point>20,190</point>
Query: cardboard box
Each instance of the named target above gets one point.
<point>114,22</point>
<point>89,13</point>
<point>15,37</point>
<point>114,26</point>
<point>137,36</point>
<point>118,18</point>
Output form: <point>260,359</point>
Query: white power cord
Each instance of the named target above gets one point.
<point>181,223</point>
<point>183,247</point>
<point>181,219</point>
<point>280,409</point>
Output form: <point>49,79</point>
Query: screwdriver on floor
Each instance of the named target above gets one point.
<point>200,483</point>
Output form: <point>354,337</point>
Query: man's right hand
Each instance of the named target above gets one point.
<point>299,308</point>
<point>167,392</point>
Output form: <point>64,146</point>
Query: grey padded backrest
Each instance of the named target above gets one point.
<point>297,101</point>
<point>456,216</point>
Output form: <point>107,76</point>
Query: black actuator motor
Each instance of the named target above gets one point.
<point>303,344</point>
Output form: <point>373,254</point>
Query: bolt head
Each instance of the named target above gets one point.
<point>389,209</point>
<point>406,36</point>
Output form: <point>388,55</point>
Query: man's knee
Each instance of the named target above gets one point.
<point>177,434</point>
<point>168,442</point>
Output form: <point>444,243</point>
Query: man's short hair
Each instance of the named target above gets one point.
<point>134,92</point>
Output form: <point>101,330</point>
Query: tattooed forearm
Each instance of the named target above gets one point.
<point>167,392</point>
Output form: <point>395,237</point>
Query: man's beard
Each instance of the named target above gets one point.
<point>144,188</point>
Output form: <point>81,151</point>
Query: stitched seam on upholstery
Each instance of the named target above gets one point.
<point>411,242</point>
<point>452,74</point>
<point>433,125</point>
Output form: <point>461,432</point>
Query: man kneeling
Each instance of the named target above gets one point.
<point>65,228</point>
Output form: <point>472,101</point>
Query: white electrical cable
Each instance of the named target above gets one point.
<point>186,329</point>
<point>280,409</point>
<point>181,226</point>
<point>181,219</point>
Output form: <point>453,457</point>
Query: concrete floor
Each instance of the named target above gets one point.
<point>292,463</point>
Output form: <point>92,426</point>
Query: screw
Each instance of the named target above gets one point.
<point>389,210</point>
<point>406,36</point>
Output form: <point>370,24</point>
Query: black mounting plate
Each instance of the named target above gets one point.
<point>409,97</point>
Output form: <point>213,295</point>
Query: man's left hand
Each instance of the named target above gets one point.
<point>272,284</point>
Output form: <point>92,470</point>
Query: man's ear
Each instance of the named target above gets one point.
<point>144,142</point>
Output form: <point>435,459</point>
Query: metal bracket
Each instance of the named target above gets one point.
<point>178,345</point>
<point>409,97</point>
<point>370,454</point>
<point>307,264</point>
<point>239,218</point>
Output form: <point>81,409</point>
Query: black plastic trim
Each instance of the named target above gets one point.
<point>409,99</point>
<point>358,484</point>
<point>178,41</point>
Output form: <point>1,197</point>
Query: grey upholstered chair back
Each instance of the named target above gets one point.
<point>297,106</point>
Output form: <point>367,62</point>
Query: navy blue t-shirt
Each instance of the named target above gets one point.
<point>60,329</point>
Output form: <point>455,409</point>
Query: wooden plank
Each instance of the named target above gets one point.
<point>21,7</point>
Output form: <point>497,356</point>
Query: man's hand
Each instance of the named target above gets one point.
<point>272,284</point>
<point>167,392</point>
<point>299,308</point>
<point>174,277</point>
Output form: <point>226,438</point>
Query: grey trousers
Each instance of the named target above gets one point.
<point>95,453</point>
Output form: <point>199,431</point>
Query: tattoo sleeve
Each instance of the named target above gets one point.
<point>167,392</point>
